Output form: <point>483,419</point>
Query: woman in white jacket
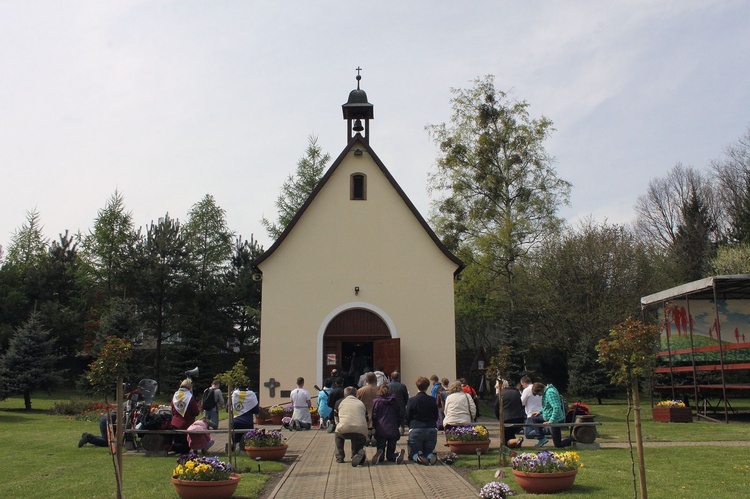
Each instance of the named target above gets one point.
<point>460,410</point>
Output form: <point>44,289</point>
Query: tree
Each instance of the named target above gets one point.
<point>209,239</point>
<point>694,243</point>
<point>298,186</point>
<point>29,363</point>
<point>107,247</point>
<point>733,176</point>
<point>498,191</point>
<point>28,245</point>
<point>660,212</point>
<point>162,267</point>
<point>584,281</point>
<point>61,303</point>
<point>629,353</point>
<point>731,260</point>
<point>244,293</point>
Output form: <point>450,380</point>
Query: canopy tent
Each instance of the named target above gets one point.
<point>703,314</point>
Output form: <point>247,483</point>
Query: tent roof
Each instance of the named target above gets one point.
<point>727,287</point>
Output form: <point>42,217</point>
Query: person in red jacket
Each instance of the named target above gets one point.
<point>184,411</point>
<point>466,388</point>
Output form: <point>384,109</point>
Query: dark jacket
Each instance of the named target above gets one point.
<point>386,417</point>
<point>422,411</point>
<point>335,395</point>
<point>513,410</point>
<point>401,393</point>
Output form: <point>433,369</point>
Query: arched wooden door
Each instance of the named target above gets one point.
<point>357,338</point>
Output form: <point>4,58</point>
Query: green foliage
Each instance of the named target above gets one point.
<point>236,376</point>
<point>630,352</point>
<point>29,363</point>
<point>209,240</point>
<point>730,260</point>
<point>244,294</point>
<point>111,364</point>
<point>28,245</point>
<point>107,246</point>
<point>297,187</point>
<point>498,196</point>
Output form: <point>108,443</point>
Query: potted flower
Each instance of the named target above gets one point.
<point>199,476</point>
<point>672,411</point>
<point>496,490</point>
<point>467,439</point>
<point>546,472</point>
<point>268,445</point>
<point>276,413</point>
<point>262,416</point>
<point>314,416</point>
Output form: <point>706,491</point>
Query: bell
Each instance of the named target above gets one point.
<point>358,126</point>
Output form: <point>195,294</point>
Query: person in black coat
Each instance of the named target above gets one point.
<point>513,411</point>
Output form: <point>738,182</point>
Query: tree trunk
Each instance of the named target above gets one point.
<point>639,440</point>
<point>27,399</point>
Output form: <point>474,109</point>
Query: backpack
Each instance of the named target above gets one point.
<point>209,399</point>
<point>578,409</point>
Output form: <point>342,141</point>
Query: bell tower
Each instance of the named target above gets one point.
<point>355,110</point>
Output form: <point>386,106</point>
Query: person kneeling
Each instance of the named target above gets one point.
<point>351,424</point>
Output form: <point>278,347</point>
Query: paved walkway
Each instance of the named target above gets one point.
<point>315,473</point>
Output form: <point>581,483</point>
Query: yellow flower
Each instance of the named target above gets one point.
<point>190,464</point>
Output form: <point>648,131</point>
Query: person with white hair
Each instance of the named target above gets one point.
<point>512,411</point>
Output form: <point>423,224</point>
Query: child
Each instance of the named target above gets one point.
<point>200,441</point>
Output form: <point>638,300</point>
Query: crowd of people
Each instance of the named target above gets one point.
<point>377,414</point>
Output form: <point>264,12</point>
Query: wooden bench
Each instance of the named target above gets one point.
<point>155,442</point>
<point>583,431</point>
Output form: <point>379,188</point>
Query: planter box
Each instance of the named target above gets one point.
<point>469,447</point>
<point>672,414</point>
<point>545,483</point>
<point>267,453</point>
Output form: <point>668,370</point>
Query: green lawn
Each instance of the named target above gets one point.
<point>40,459</point>
<point>37,447</point>
<point>687,471</point>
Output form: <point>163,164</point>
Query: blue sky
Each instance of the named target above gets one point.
<point>169,101</point>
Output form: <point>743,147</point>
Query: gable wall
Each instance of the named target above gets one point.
<point>338,244</point>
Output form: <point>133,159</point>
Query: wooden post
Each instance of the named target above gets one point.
<point>230,425</point>
<point>639,439</point>
<point>119,432</point>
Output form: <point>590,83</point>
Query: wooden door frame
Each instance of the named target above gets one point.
<point>390,325</point>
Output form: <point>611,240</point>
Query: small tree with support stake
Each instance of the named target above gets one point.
<point>630,354</point>
<point>499,364</point>
<point>236,376</point>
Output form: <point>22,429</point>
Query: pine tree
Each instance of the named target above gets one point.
<point>29,363</point>
<point>297,187</point>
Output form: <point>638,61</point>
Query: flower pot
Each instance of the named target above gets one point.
<point>267,453</point>
<point>188,489</point>
<point>315,419</point>
<point>672,414</point>
<point>276,418</point>
<point>469,447</point>
<point>260,419</point>
<point>545,483</point>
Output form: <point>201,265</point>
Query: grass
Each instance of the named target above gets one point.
<point>701,470</point>
<point>41,460</point>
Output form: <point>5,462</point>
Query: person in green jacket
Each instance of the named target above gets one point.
<point>552,411</point>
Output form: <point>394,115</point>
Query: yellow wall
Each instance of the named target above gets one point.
<point>377,245</point>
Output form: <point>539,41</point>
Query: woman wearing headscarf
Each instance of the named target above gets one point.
<point>184,411</point>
